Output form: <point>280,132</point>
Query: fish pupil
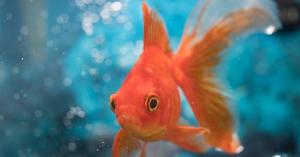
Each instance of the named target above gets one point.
<point>153,103</point>
<point>113,105</point>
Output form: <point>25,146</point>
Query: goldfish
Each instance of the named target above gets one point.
<point>148,104</point>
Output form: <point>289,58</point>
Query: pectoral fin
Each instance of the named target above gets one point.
<point>126,145</point>
<point>187,137</point>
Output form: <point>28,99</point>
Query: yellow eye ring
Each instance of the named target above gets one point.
<point>152,103</point>
<point>112,103</point>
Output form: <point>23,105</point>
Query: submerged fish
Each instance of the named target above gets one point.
<point>147,105</point>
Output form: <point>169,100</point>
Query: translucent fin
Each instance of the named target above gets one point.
<point>155,33</point>
<point>209,31</point>
<point>125,145</point>
<point>209,12</point>
<point>189,138</point>
<point>143,152</point>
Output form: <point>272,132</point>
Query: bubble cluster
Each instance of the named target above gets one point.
<point>71,114</point>
<point>94,11</point>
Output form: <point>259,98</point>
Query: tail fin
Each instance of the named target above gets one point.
<point>209,31</point>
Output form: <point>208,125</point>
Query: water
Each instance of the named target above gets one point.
<point>60,61</point>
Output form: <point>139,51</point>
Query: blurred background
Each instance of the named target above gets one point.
<point>61,60</point>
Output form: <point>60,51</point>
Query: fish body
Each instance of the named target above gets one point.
<point>147,106</point>
<point>151,76</point>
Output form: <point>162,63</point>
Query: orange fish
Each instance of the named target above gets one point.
<point>147,106</point>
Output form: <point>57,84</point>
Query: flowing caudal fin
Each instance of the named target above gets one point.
<point>126,145</point>
<point>189,138</point>
<point>155,34</point>
<point>211,28</point>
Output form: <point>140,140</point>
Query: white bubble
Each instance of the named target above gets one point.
<point>62,19</point>
<point>75,111</point>
<point>108,62</point>
<point>89,127</point>
<point>122,19</point>
<point>138,47</point>
<point>79,3</point>
<point>99,40</point>
<point>15,70</point>
<point>67,81</point>
<point>72,146</point>
<point>67,123</point>
<point>270,30</point>
<point>95,17</point>
<point>239,149</point>
<point>19,38</point>
<point>87,1</point>
<point>24,30</point>
<point>44,13</point>
<point>97,56</point>
<point>92,71</point>
<point>2,72</point>
<point>37,132</point>
<point>116,6</point>
<point>28,150</point>
<point>123,49</point>
<point>99,2</point>
<point>81,114</point>
<point>17,96</point>
<point>38,113</point>
<point>106,77</point>
<point>87,23</point>
<point>50,43</point>
<point>82,73</point>
<point>128,26</point>
<point>1,117</point>
<point>105,14</point>
<point>70,115</point>
<point>8,132</point>
<point>9,16</point>
<point>219,149</point>
<point>261,68</point>
<point>280,155</point>
<point>55,29</point>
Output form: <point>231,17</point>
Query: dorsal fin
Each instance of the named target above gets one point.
<point>155,33</point>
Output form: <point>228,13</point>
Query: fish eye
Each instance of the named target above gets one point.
<point>112,103</point>
<point>152,103</point>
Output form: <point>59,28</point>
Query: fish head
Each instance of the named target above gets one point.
<point>145,106</point>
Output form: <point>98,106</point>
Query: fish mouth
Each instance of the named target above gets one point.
<point>139,130</point>
<point>154,135</point>
<point>123,121</point>
<point>126,122</point>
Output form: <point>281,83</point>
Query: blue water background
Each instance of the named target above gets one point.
<point>61,60</point>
